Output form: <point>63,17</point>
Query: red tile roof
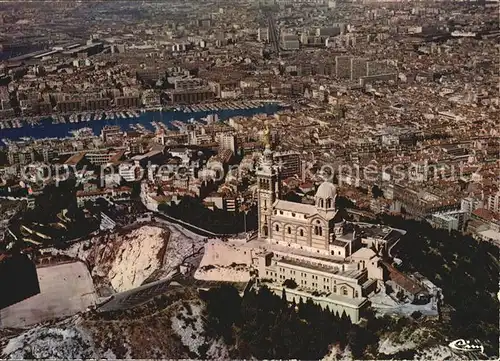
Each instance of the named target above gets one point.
<point>403,280</point>
<point>75,159</point>
<point>485,214</point>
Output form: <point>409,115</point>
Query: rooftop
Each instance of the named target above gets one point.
<point>307,209</point>
<point>276,248</point>
<point>317,267</point>
<point>301,291</point>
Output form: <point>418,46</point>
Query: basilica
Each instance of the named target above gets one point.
<point>332,261</point>
<point>309,250</point>
<point>318,228</point>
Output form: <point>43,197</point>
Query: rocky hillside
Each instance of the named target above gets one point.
<point>173,325</point>
<point>168,326</point>
<point>125,260</point>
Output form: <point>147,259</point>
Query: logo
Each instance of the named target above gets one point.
<point>466,345</point>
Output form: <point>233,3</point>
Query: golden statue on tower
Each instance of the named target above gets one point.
<point>266,137</point>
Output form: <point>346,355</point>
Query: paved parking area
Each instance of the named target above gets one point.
<point>65,289</point>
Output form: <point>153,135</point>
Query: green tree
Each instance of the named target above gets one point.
<point>223,307</point>
<point>290,283</point>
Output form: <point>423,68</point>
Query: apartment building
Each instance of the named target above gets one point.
<point>494,202</point>
<point>189,96</point>
<point>289,162</point>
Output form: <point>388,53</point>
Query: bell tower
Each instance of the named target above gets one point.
<point>268,188</point>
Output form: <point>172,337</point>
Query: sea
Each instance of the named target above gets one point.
<point>45,128</point>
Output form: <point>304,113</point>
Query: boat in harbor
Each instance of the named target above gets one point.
<point>57,125</point>
<point>141,128</point>
<point>194,121</point>
<point>156,126</point>
<point>82,133</point>
<point>33,121</point>
<point>163,126</point>
<point>179,125</point>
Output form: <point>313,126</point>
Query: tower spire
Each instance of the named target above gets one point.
<point>267,136</point>
<point>269,186</point>
<point>268,153</point>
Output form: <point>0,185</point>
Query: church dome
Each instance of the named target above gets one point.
<point>326,190</point>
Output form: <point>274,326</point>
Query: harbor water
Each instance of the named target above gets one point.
<point>47,129</point>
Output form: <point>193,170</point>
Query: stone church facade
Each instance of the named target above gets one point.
<point>313,245</point>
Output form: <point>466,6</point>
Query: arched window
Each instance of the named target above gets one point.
<point>318,230</point>
<point>289,230</point>
<point>329,203</point>
<point>302,233</point>
<point>321,203</point>
<point>277,228</point>
<point>344,291</point>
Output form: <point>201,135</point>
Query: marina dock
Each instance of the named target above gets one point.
<point>87,117</point>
